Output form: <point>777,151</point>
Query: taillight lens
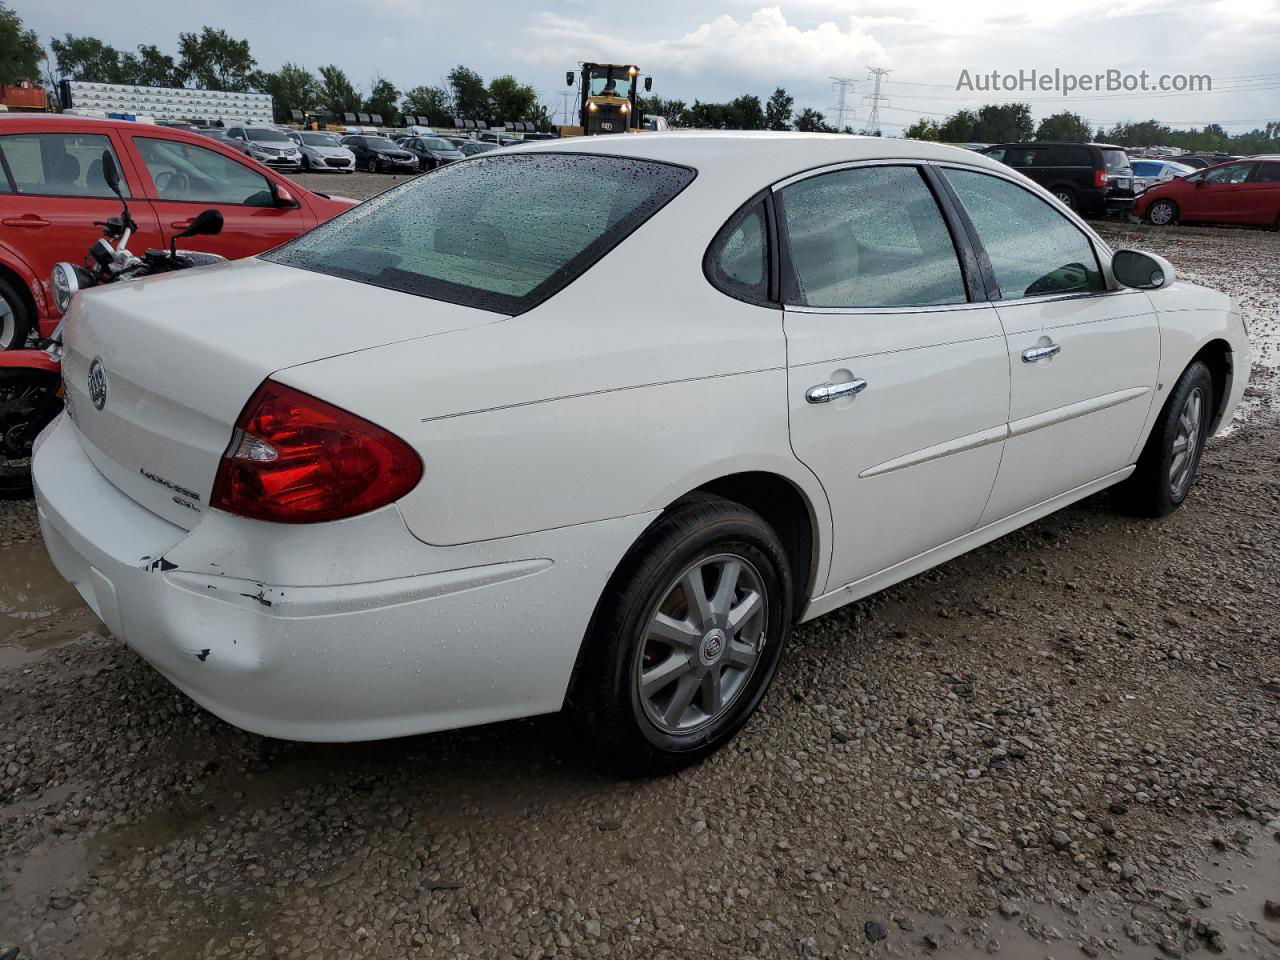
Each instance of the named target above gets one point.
<point>1100,178</point>
<point>296,459</point>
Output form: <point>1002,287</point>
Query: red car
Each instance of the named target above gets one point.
<point>1242,191</point>
<point>52,190</point>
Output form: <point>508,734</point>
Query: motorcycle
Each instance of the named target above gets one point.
<point>31,392</point>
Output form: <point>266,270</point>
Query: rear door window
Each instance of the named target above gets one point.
<point>1268,173</point>
<point>59,164</point>
<point>1069,155</point>
<point>500,233</point>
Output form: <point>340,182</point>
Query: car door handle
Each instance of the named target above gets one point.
<point>1041,353</point>
<point>28,221</point>
<point>826,392</point>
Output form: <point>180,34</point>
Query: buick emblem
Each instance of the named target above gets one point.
<point>97,384</point>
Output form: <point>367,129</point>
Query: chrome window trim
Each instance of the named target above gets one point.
<point>877,311</point>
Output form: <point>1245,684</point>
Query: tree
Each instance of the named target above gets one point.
<point>470,97</point>
<point>292,87</point>
<point>777,112</point>
<point>960,127</point>
<point>382,100</point>
<point>923,129</point>
<point>745,113</point>
<point>214,60</point>
<point>674,111</point>
<point>1004,123</point>
<point>429,102</point>
<point>512,100</point>
<point>1064,126</point>
<point>20,50</point>
<point>87,59</point>
<point>151,68</point>
<point>336,92</point>
<point>812,121</point>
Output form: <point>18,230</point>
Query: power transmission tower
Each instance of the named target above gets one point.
<point>875,99</point>
<point>842,109</point>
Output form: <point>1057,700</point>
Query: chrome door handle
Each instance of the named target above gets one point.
<point>1041,353</point>
<point>826,392</point>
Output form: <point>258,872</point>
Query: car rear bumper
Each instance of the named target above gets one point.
<point>341,650</point>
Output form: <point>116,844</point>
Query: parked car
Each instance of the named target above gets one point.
<point>431,152</point>
<point>1147,173</point>
<point>472,148</point>
<point>1201,160</point>
<point>1244,192</point>
<point>865,357</point>
<point>269,146</point>
<point>380,155</point>
<point>53,190</point>
<point>1088,177</point>
<point>323,151</point>
<point>220,134</point>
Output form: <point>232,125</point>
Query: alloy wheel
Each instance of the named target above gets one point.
<point>1161,214</point>
<point>1066,198</point>
<point>1186,443</point>
<point>8,326</point>
<point>702,643</point>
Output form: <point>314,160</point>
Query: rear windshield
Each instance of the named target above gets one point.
<point>500,233</point>
<point>1117,161</point>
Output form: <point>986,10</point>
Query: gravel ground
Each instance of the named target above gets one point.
<point>1062,744</point>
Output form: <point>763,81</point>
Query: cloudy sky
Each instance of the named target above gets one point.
<point>717,49</point>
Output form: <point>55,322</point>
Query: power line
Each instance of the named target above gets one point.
<point>873,121</point>
<point>845,84</point>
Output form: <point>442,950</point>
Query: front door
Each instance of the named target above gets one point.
<point>1082,358</point>
<point>186,179</point>
<point>1217,194</point>
<point>898,384</point>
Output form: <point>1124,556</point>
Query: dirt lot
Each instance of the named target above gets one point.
<point>1063,744</point>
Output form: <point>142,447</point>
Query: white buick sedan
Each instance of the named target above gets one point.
<point>594,422</point>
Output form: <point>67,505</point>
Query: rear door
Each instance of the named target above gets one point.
<point>1259,196</point>
<point>56,191</point>
<point>184,178</point>
<point>898,378</point>
<point>1082,358</point>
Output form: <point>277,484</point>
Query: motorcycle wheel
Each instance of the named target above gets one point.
<point>28,402</point>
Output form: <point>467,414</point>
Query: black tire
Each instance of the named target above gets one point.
<point>1157,487</point>
<point>306,164</point>
<point>372,165</point>
<point>689,539</point>
<point>1067,196</point>
<point>27,403</point>
<point>15,318</point>
<point>1163,219</point>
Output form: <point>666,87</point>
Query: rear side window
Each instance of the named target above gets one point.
<point>868,237</point>
<point>1034,250</point>
<point>58,164</point>
<point>1069,155</point>
<point>500,233</point>
<point>738,260</point>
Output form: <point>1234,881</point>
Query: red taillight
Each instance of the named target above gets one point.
<point>296,459</point>
<point>1100,178</point>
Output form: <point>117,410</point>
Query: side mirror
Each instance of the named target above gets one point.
<point>206,224</point>
<point>648,84</point>
<point>110,172</point>
<point>568,78</point>
<point>1142,271</point>
<point>281,197</point>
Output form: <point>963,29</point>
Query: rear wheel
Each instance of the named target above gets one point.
<point>687,637</point>
<point>1171,459</point>
<point>1163,213</point>
<point>1066,196</point>
<point>28,401</point>
<point>15,318</point>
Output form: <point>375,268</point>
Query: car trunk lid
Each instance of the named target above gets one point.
<point>157,371</point>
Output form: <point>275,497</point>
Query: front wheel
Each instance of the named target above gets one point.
<point>372,165</point>
<point>686,638</point>
<point>1170,461</point>
<point>1163,213</point>
<point>306,164</point>
<point>15,319</point>
<point>28,401</point>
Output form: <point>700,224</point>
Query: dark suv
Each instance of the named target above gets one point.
<point>1088,177</point>
<point>378,155</point>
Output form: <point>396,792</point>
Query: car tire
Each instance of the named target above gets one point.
<point>1162,213</point>
<point>24,396</point>
<point>306,164</point>
<point>708,659</point>
<point>372,165</point>
<point>1167,468</point>
<point>15,318</point>
<point>1067,197</point>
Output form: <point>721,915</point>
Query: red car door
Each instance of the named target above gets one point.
<point>1218,196</point>
<point>183,177</point>
<point>56,190</point>
<point>1259,196</point>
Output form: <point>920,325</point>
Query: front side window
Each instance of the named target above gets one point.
<point>1232,173</point>
<point>58,164</point>
<point>738,260</point>
<point>1034,250</point>
<point>869,237</point>
<point>499,233</point>
<point>184,172</point>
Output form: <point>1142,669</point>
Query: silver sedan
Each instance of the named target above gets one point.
<point>323,151</point>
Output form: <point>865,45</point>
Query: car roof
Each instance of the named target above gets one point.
<point>758,155</point>
<point>1059,143</point>
<point>55,120</point>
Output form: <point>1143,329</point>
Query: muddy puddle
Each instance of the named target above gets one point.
<point>38,609</point>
